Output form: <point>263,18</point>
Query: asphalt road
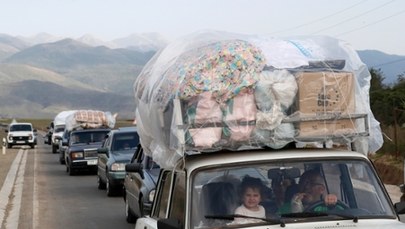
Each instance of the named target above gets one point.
<point>44,196</point>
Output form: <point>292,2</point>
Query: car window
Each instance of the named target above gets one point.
<point>163,199</point>
<point>125,141</point>
<point>20,128</point>
<point>88,137</point>
<point>353,182</point>
<point>59,129</point>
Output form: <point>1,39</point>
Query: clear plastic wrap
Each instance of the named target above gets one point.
<point>89,119</point>
<point>214,90</point>
<point>60,118</point>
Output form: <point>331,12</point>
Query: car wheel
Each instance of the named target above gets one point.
<point>70,170</point>
<point>100,184</point>
<point>32,146</point>
<point>130,217</point>
<point>54,149</point>
<point>61,160</point>
<point>109,187</point>
<point>9,146</point>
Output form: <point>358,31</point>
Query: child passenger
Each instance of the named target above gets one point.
<point>251,194</point>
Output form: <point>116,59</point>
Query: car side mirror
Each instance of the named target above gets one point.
<point>400,207</point>
<point>135,168</point>
<point>35,130</point>
<point>102,151</point>
<point>6,130</point>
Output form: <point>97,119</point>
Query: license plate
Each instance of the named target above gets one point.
<point>92,162</point>
<point>19,142</point>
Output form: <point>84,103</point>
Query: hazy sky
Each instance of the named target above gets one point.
<point>366,24</point>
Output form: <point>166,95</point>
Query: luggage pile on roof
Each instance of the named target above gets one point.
<point>85,119</point>
<point>211,91</point>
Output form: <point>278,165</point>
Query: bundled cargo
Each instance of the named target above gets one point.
<point>89,119</point>
<point>60,118</point>
<point>211,91</point>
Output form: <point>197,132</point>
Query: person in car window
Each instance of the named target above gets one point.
<point>251,194</point>
<point>311,189</point>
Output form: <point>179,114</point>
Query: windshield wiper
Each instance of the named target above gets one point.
<point>317,214</point>
<point>232,217</point>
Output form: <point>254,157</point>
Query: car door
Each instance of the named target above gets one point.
<point>103,157</point>
<point>133,183</point>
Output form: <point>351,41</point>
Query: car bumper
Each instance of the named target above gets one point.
<point>22,142</point>
<point>84,164</point>
<point>117,178</point>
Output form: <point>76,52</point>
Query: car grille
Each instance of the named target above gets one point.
<point>20,138</point>
<point>90,153</point>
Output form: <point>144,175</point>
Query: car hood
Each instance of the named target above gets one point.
<point>20,133</point>
<point>121,156</point>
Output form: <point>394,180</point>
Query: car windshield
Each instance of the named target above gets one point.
<point>288,192</point>
<point>125,141</point>
<point>59,129</point>
<point>21,127</point>
<point>88,137</point>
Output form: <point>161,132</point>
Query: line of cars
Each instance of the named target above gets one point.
<point>117,158</point>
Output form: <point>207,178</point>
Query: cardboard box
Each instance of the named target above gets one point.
<point>323,93</point>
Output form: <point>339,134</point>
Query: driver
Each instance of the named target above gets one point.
<point>311,189</point>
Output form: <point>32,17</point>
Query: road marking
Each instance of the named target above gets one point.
<point>8,185</point>
<point>14,216</point>
<point>35,204</point>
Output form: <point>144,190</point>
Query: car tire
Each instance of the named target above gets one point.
<point>100,184</point>
<point>61,160</point>
<point>32,146</point>
<point>129,216</point>
<point>109,188</point>
<point>70,170</point>
<point>54,149</point>
<point>9,146</point>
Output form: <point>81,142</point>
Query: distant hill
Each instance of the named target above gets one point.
<point>390,65</point>
<point>36,99</point>
<point>43,75</point>
<point>68,53</point>
<point>10,45</point>
<point>112,70</point>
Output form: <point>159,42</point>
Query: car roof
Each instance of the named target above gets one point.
<point>91,130</point>
<point>20,123</point>
<point>231,157</point>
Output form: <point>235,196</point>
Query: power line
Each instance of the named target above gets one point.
<point>373,23</point>
<point>319,19</point>
<point>354,17</point>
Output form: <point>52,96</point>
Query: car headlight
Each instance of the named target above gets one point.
<point>151,195</point>
<point>30,136</point>
<point>77,155</point>
<point>10,137</point>
<point>118,167</point>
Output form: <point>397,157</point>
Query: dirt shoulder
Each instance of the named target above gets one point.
<point>5,162</point>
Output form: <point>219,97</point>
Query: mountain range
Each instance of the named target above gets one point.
<point>43,75</point>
